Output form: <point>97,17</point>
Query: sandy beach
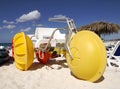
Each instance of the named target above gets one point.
<point>53,75</point>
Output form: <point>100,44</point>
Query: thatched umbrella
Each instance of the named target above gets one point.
<point>101,27</point>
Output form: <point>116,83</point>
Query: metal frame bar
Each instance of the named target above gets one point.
<point>71,31</point>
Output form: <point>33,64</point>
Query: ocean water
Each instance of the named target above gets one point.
<point>6,44</point>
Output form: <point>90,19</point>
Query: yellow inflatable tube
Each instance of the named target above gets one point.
<point>23,51</point>
<point>89,56</point>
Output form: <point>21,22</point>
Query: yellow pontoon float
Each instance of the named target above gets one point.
<point>85,52</point>
<point>23,51</point>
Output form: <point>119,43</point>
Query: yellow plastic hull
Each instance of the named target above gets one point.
<point>23,51</point>
<point>89,56</point>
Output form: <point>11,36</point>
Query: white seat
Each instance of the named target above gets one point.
<point>113,59</point>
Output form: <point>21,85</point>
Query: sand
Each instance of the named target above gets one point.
<point>54,75</point>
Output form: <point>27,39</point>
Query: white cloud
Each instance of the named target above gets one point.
<point>26,29</point>
<point>33,15</point>
<point>8,22</point>
<point>59,16</point>
<point>38,25</point>
<point>8,27</point>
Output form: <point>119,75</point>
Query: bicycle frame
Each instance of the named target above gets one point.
<point>71,31</point>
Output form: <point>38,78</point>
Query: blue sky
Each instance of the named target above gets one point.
<point>26,15</point>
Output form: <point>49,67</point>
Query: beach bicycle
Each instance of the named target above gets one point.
<point>85,51</point>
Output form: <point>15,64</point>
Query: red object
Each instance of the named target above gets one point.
<point>43,57</point>
<point>12,48</point>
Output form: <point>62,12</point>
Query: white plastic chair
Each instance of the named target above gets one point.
<point>113,59</point>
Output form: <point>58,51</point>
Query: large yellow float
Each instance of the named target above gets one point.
<point>89,56</point>
<point>23,51</point>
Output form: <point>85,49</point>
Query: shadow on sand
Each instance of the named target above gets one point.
<point>60,64</point>
<point>50,65</point>
<point>98,81</point>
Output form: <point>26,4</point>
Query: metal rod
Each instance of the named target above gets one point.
<point>71,30</point>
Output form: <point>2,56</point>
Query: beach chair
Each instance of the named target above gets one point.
<point>113,59</point>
